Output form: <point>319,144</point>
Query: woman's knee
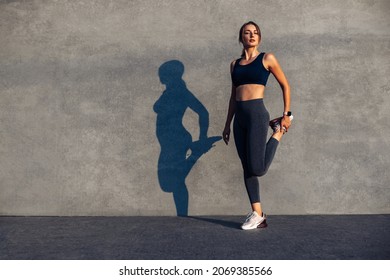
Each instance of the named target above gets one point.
<point>259,172</point>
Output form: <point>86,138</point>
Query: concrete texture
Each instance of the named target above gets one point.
<point>79,82</point>
<point>333,237</point>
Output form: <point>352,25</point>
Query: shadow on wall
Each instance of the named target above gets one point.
<point>178,152</point>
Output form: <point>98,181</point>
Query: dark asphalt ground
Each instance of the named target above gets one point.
<point>310,237</point>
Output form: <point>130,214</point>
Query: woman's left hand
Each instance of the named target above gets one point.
<point>286,122</point>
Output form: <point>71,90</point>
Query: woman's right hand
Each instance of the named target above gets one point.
<point>226,134</point>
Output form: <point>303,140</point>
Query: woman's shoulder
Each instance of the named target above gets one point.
<point>269,56</point>
<point>233,63</point>
<point>269,60</point>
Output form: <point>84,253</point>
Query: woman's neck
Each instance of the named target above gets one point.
<point>251,53</point>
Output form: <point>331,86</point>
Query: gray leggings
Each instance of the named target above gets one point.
<point>250,130</point>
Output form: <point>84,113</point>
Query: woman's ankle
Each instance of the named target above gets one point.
<point>278,135</point>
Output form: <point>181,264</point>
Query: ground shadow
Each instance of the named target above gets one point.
<point>229,224</point>
<point>179,152</point>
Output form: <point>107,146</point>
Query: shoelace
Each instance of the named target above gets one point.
<point>249,216</point>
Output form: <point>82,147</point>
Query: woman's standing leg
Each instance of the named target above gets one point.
<point>241,138</point>
<point>241,141</point>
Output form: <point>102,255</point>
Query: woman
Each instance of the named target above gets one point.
<point>251,119</point>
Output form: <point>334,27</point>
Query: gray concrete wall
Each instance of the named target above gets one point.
<point>79,82</point>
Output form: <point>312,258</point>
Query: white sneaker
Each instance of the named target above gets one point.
<point>253,220</point>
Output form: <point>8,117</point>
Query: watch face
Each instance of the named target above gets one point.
<point>288,113</point>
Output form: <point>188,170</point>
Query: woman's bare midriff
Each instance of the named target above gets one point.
<point>249,92</point>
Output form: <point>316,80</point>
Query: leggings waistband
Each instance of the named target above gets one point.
<point>251,100</point>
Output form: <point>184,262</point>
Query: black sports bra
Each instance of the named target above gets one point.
<point>252,73</point>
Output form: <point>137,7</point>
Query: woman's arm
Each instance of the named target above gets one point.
<point>231,110</point>
<point>276,70</point>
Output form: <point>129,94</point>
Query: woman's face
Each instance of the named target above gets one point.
<point>250,36</point>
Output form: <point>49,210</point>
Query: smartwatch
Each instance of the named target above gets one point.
<point>287,113</point>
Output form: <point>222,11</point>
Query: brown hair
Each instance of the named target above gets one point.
<point>242,29</point>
